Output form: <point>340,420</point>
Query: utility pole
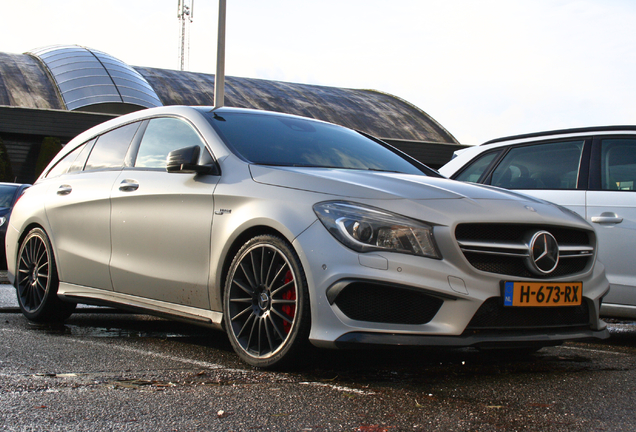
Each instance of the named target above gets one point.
<point>219,79</point>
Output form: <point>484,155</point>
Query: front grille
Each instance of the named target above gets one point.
<point>514,266</point>
<point>503,248</point>
<point>514,233</point>
<point>493,315</point>
<point>365,301</point>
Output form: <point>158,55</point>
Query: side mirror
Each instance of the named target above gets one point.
<point>186,160</point>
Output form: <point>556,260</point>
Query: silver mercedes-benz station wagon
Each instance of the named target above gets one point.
<point>285,231</point>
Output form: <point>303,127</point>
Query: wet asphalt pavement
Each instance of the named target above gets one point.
<point>106,370</point>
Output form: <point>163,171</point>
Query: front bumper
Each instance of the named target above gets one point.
<point>330,268</point>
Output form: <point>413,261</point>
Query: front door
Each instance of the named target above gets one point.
<point>161,222</point>
<point>612,211</point>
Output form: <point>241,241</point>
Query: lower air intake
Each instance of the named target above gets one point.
<point>493,315</point>
<point>363,301</point>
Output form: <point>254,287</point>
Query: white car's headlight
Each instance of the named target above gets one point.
<point>365,229</point>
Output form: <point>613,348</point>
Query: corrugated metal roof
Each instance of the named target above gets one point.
<point>24,83</point>
<point>379,114</point>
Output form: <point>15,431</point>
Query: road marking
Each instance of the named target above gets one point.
<point>205,364</point>
<point>157,355</point>
<point>340,388</point>
<point>593,350</point>
<point>198,363</point>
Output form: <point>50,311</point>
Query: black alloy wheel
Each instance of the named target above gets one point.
<point>266,303</point>
<point>37,281</point>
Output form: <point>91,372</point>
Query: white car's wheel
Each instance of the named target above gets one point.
<point>266,303</point>
<point>37,280</point>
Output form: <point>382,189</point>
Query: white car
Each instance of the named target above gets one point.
<point>284,230</point>
<point>591,171</point>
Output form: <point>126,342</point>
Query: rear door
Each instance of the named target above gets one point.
<point>78,207</point>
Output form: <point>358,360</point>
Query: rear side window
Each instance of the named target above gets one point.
<point>63,164</point>
<point>111,148</point>
<point>162,136</point>
<point>80,160</point>
<point>618,164</point>
<point>542,166</point>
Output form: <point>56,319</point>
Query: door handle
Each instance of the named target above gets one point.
<point>128,185</point>
<point>64,190</point>
<point>608,218</point>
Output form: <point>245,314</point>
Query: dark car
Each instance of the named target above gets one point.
<point>9,194</point>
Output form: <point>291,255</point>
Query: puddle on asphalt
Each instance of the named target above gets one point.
<point>105,332</point>
<point>122,333</point>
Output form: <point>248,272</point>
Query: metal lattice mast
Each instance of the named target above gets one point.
<point>185,14</point>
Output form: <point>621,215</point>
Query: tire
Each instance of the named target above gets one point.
<point>37,280</point>
<point>266,303</point>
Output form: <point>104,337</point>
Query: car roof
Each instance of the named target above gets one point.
<point>179,110</point>
<point>462,157</point>
<point>572,131</point>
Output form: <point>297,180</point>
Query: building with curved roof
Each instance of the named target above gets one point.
<point>93,81</point>
<point>61,91</point>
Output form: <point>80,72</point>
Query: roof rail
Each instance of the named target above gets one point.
<point>562,132</point>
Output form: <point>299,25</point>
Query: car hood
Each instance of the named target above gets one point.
<point>435,200</point>
<point>376,185</point>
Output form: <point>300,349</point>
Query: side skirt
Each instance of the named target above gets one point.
<point>94,296</point>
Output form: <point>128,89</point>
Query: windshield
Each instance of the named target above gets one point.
<point>287,141</point>
<point>6,195</point>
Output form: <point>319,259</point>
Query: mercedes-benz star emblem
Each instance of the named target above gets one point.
<point>544,253</point>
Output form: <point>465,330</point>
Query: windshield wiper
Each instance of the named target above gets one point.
<point>297,165</point>
<point>384,170</point>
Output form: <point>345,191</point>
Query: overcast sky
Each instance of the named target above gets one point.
<point>481,68</point>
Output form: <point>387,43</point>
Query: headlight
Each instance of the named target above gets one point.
<point>365,229</point>
<point>3,219</point>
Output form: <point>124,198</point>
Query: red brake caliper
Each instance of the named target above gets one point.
<point>290,294</point>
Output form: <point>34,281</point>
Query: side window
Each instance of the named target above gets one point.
<point>618,164</point>
<point>473,172</point>
<point>80,160</point>
<point>63,164</point>
<point>541,166</point>
<point>110,149</point>
<point>162,136</point>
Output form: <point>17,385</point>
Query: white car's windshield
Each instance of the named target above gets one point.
<point>288,141</point>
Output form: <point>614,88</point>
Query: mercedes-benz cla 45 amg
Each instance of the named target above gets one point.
<point>286,231</point>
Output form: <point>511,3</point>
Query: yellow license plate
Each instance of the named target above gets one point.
<point>543,293</point>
